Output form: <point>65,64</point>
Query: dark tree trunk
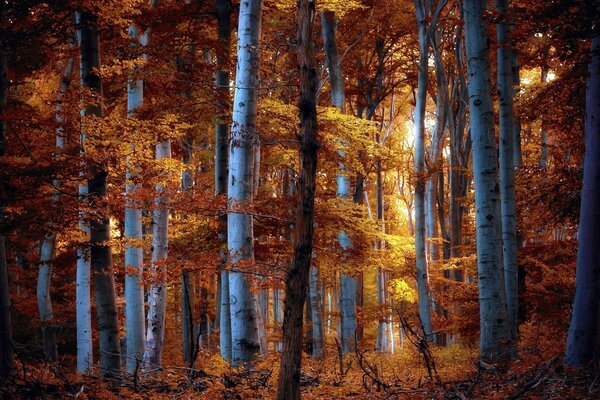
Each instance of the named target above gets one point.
<point>582,340</point>
<point>101,257</point>
<point>297,282</point>
<point>6,351</point>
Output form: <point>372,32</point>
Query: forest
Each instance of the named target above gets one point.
<point>317,199</point>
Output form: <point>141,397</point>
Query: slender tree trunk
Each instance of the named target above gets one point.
<point>582,339</point>
<point>316,303</point>
<point>431,188</point>
<point>507,167</point>
<point>494,329</point>
<point>83,306</point>
<point>383,328</point>
<point>134,253</point>
<point>277,315</point>
<point>419,200</point>
<point>516,120</point>
<point>48,245</point>
<point>188,339</point>
<point>157,296</point>
<point>348,284</point>
<point>187,317</point>
<point>6,346</point>
<point>460,150</point>
<point>100,252</point>
<point>544,151</point>
<point>298,277</point>
<point>245,337</point>
<point>223,8</point>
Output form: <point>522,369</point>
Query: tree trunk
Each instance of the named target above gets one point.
<point>382,344</point>
<point>277,315</point>
<point>48,245</point>
<point>582,338</point>
<point>100,252</point>
<point>348,284</point>
<point>494,330</point>
<point>516,120</point>
<point>245,338</point>
<point>544,151</point>
<point>6,346</point>
<point>134,254</point>
<point>83,306</point>
<point>419,200</point>
<point>223,8</point>
<point>460,150</point>
<point>507,167</point>
<point>157,296</point>
<point>187,317</point>
<point>316,307</point>
<point>298,277</point>
<point>188,339</point>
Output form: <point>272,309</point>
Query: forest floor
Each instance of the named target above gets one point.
<point>452,372</point>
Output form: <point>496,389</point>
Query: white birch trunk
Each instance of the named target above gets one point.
<point>243,305</point>
<point>83,305</point>
<point>507,167</point>
<point>419,199</point>
<point>134,289</point>
<point>157,296</point>
<point>348,284</point>
<point>494,330</point>
<point>223,11</point>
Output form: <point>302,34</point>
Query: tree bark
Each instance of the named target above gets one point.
<point>507,166</point>
<point>223,8</point>
<point>245,338</point>
<point>188,339</point>
<point>582,337</point>
<point>316,308</point>
<point>298,277</point>
<point>134,254</point>
<point>157,296</point>
<point>419,199</point>
<point>100,252</point>
<point>48,245</point>
<point>6,346</point>
<point>348,284</point>
<point>460,151</point>
<point>544,144</point>
<point>494,330</point>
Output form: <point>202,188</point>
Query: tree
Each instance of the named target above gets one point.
<point>245,337</point>
<point>157,296</point>
<point>298,277</point>
<point>582,337</point>
<point>100,252</point>
<point>6,345</point>
<point>222,139</point>
<point>48,245</point>
<point>133,230</point>
<point>494,331</point>
<point>419,168</point>
<point>348,283</point>
<point>507,166</point>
